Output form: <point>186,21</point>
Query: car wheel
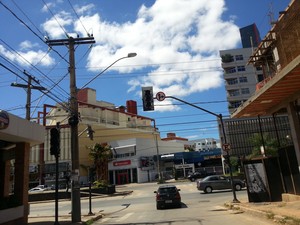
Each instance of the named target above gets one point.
<point>192,179</point>
<point>158,206</point>
<point>238,187</point>
<point>208,189</point>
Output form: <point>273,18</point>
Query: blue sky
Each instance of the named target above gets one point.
<point>177,44</point>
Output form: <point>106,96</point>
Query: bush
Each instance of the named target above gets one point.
<point>101,183</point>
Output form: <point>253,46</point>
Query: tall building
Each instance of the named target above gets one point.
<point>241,78</point>
<point>250,36</point>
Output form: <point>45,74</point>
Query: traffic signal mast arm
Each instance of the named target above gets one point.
<point>217,115</point>
<point>162,96</point>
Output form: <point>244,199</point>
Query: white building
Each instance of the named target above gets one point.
<point>206,144</point>
<point>240,78</point>
<point>135,159</point>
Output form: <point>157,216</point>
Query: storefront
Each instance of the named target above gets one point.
<point>17,136</point>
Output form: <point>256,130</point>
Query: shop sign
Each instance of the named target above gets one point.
<point>122,163</point>
<point>4,120</point>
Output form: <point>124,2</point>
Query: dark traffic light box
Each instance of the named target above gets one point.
<point>147,96</point>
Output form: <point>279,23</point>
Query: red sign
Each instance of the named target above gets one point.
<point>122,163</point>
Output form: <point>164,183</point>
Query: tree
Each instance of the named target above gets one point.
<point>271,145</point>
<point>101,154</point>
<point>227,58</point>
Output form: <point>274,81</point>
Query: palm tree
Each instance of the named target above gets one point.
<point>101,154</point>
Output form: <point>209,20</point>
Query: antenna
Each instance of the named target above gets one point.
<point>271,15</point>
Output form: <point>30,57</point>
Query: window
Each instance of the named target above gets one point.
<point>260,77</point>
<point>230,70</point>
<point>243,79</point>
<point>235,104</point>
<point>239,57</point>
<point>232,81</point>
<point>234,92</point>
<point>241,68</point>
<point>245,91</point>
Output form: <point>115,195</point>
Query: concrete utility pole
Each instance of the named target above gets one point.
<point>73,120</point>
<point>29,87</point>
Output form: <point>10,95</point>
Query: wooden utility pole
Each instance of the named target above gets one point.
<point>29,87</point>
<point>73,120</point>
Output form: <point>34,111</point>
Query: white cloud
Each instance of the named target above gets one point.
<point>57,25</point>
<point>25,45</point>
<point>23,58</point>
<point>84,9</point>
<point>185,31</point>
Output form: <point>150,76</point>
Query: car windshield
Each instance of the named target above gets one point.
<point>167,190</point>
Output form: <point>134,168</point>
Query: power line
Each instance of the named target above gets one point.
<point>87,33</point>
<point>65,32</point>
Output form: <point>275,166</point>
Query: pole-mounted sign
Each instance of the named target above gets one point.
<point>160,96</point>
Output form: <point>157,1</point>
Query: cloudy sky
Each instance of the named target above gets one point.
<point>177,44</point>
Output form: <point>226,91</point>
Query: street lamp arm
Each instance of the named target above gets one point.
<point>130,55</point>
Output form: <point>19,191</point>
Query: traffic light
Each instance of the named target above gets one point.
<point>54,142</point>
<point>147,95</point>
<point>90,132</point>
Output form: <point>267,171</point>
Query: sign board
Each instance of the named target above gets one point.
<point>160,96</point>
<point>226,147</point>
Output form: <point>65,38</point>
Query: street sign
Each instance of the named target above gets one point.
<point>160,96</point>
<point>226,147</point>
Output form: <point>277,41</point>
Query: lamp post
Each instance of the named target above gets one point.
<point>129,55</point>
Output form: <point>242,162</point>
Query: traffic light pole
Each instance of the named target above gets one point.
<point>73,121</point>
<point>235,200</point>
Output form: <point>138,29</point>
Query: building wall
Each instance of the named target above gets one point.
<point>205,144</point>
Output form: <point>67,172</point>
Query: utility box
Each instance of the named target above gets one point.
<point>264,180</point>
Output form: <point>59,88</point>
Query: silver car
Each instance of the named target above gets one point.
<point>218,182</point>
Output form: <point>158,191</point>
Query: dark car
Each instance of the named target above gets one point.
<point>167,195</point>
<point>197,175</point>
<point>218,182</point>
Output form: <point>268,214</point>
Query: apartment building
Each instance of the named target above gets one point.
<point>241,78</point>
<point>108,123</point>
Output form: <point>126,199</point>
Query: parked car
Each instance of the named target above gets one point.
<point>218,182</point>
<point>197,175</point>
<point>167,195</point>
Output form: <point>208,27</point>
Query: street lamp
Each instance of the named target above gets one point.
<point>129,55</point>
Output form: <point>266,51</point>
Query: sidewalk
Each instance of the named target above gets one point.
<point>284,212</point>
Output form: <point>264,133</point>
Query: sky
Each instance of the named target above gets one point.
<point>177,43</point>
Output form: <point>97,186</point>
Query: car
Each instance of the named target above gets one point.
<point>196,175</point>
<point>36,189</point>
<point>166,196</point>
<point>218,182</point>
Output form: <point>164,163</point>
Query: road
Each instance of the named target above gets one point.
<point>139,208</point>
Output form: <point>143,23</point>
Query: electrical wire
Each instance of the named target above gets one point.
<point>87,33</point>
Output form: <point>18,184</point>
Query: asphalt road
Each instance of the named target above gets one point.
<point>139,208</point>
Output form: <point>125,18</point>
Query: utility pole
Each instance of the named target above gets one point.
<point>29,87</point>
<point>73,120</point>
